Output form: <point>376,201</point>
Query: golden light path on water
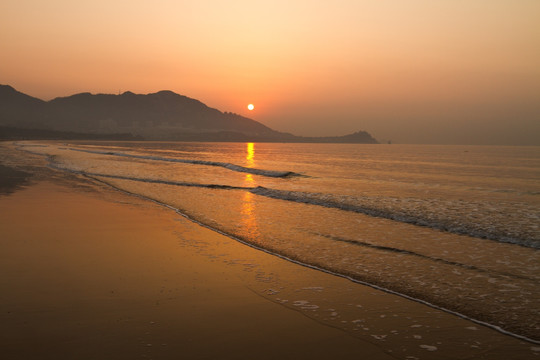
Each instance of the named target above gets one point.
<point>250,156</point>
<point>249,220</point>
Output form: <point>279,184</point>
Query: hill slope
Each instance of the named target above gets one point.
<point>164,115</point>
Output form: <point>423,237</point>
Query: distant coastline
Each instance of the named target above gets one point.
<point>164,115</point>
<point>15,133</point>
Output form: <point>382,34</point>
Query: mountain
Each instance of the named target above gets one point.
<point>164,115</point>
<point>17,108</point>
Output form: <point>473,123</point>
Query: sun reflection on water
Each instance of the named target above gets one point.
<point>250,154</point>
<point>249,218</point>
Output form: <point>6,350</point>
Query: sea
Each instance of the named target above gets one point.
<point>453,227</point>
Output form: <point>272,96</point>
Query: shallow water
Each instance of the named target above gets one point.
<point>454,226</point>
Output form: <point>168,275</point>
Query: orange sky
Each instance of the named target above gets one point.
<point>446,71</point>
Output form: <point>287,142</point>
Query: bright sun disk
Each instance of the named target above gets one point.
<point>250,107</point>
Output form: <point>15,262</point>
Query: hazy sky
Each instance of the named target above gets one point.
<point>427,71</point>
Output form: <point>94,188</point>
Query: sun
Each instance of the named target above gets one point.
<point>250,107</point>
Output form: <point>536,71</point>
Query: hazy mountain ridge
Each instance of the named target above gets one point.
<point>17,108</point>
<point>164,115</point>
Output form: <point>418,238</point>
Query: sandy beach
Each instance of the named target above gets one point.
<point>88,278</point>
<point>89,272</point>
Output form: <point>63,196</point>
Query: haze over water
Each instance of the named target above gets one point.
<point>454,226</point>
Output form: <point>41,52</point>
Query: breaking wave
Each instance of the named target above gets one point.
<point>330,201</point>
<point>229,166</point>
<point>397,214</point>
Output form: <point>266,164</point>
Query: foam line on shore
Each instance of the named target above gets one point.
<point>374,286</point>
<point>252,190</point>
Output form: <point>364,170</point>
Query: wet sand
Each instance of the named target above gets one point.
<point>11,179</point>
<point>90,273</point>
<point>84,278</point>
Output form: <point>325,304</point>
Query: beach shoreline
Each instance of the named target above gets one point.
<point>89,272</point>
<point>73,300</point>
<point>98,274</point>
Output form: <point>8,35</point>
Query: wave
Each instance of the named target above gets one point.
<point>152,181</point>
<point>240,239</point>
<point>313,199</point>
<point>310,199</point>
<point>326,200</point>
<point>422,256</point>
<point>229,166</point>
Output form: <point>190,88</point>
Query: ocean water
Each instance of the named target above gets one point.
<point>455,227</point>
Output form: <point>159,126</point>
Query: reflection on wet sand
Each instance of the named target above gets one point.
<point>249,218</point>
